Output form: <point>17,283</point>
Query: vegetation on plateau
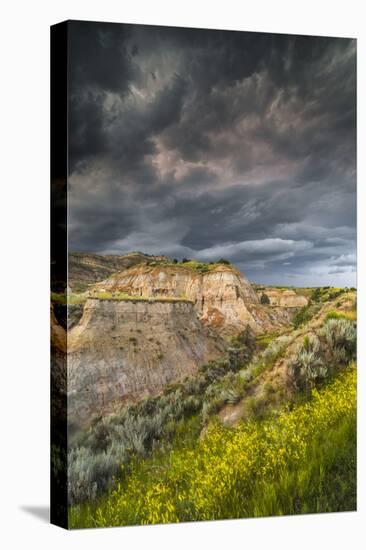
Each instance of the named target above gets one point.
<point>71,299</point>
<point>193,265</point>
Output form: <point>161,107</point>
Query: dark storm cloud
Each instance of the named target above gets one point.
<point>211,143</point>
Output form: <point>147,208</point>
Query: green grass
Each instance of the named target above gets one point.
<point>263,340</point>
<point>72,299</point>
<point>299,461</point>
<point>192,265</point>
<point>350,316</point>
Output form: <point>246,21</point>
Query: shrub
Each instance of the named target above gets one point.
<point>90,474</point>
<point>246,375</point>
<point>263,340</point>
<point>101,437</point>
<point>226,391</point>
<point>269,389</point>
<point>231,396</point>
<point>242,348</point>
<point>192,405</point>
<point>239,357</point>
<point>302,316</point>
<point>264,299</point>
<point>340,333</point>
<point>316,295</point>
<point>211,407</point>
<point>245,338</point>
<point>306,367</point>
<point>275,349</point>
<point>213,370</point>
<point>269,356</point>
<point>254,406</point>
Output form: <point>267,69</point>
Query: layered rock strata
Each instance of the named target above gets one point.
<point>125,350</point>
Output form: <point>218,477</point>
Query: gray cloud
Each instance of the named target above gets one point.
<point>211,143</point>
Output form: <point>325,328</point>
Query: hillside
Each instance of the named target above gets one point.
<point>169,362</point>
<point>149,325</point>
<point>85,269</point>
<point>303,461</point>
<point>123,351</point>
<point>267,429</point>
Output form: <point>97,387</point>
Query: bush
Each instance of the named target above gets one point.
<point>269,389</point>
<point>231,396</point>
<point>213,370</point>
<point>226,391</point>
<point>340,333</point>
<point>98,455</point>
<point>306,368</point>
<point>264,299</point>
<point>245,338</point>
<point>255,406</point>
<point>302,316</point>
<point>316,295</point>
<point>275,349</point>
<point>90,474</point>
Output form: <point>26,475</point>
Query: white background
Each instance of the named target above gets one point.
<point>24,307</point>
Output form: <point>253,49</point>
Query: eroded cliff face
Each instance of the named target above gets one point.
<point>285,298</point>
<point>220,296</point>
<point>150,325</point>
<point>124,350</point>
<point>85,269</point>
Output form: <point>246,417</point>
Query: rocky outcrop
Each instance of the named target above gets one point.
<point>122,351</point>
<point>67,315</point>
<point>85,269</point>
<point>285,298</point>
<point>149,325</point>
<point>270,319</point>
<point>220,296</point>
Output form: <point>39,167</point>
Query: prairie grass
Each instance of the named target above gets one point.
<point>298,461</point>
<point>349,315</point>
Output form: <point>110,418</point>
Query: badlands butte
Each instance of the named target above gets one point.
<point>135,323</point>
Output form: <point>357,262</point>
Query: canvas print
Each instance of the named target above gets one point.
<point>203,252</point>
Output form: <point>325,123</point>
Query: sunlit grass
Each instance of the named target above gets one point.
<point>297,461</point>
<point>64,299</point>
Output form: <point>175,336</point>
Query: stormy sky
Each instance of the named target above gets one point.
<point>210,144</point>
